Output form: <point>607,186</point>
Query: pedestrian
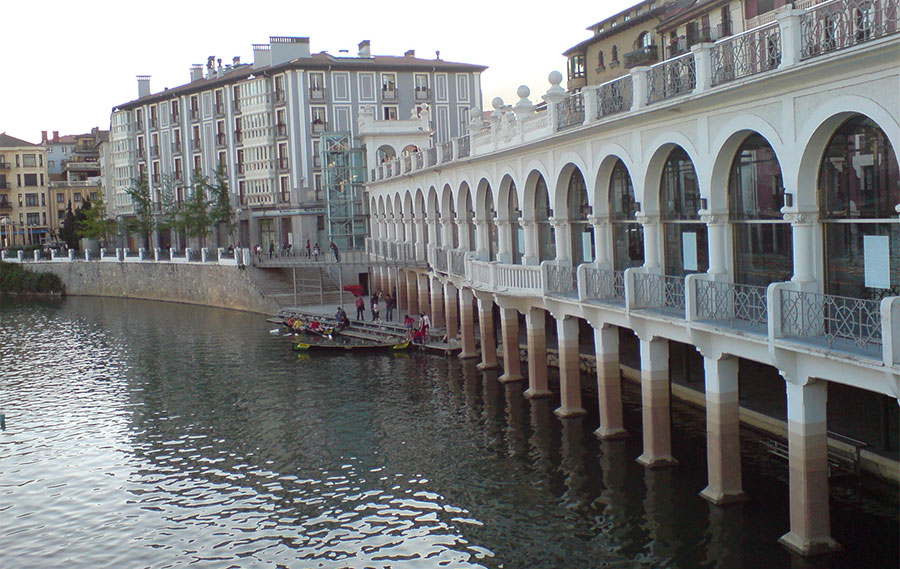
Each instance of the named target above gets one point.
<point>360,308</point>
<point>308,250</point>
<point>408,323</point>
<point>424,324</point>
<point>373,302</point>
<point>258,250</point>
<point>271,248</point>
<point>375,312</point>
<point>389,305</point>
<point>337,254</point>
<point>316,251</point>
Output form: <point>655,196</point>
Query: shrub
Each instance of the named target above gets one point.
<point>14,278</point>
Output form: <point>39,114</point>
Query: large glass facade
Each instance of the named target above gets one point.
<point>686,248</point>
<point>627,233</point>
<point>516,233</point>
<point>762,238</point>
<point>546,239</point>
<point>577,205</point>
<point>859,189</point>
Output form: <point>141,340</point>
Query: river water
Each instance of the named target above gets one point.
<point>145,434</point>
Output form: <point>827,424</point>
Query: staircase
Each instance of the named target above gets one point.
<point>314,286</point>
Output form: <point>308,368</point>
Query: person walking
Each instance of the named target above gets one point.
<point>360,308</point>
<point>271,248</point>
<point>424,324</point>
<point>389,304</point>
<point>316,251</point>
<point>337,254</point>
<point>308,250</point>
<point>375,311</point>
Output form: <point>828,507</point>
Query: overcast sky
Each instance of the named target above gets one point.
<point>68,63</point>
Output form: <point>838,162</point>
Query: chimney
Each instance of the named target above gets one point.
<point>196,72</point>
<point>55,136</point>
<point>143,85</point>
<point>410,53</point>
<point>365,49</point>
<point>219,70</point>
<point>210,66</point>
<point>262,55</point>
<point>286,48</point>
<point>44,136</point>
<point>235,61</point>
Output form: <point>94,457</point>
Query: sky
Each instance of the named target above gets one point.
<point>68,63</point>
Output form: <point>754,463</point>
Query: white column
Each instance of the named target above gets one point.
<point>723,442</point>
<point>601,241</point>
<point>486,327</point>
<point>563,237</point>
<point>655,410</point>
<point>650,223</point>
<point>467,323</point>
<point>537,354</point>
<point>569,368</point>
<point>804,235</point>
<point>504,253</point>
<point>462,228</point>
<point>609,383</point>
<point>808,469</point>
<point>509,328</point>
<point>530,255</point>
<point>482,248</point>
<point>716,226</point>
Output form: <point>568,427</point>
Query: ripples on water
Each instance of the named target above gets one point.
<point>158,435</point>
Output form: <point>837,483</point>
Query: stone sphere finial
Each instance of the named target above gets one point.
<point>523,91</point>
<point>555,78</point>
<point>497,103</point>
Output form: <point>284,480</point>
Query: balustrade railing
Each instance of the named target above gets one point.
<point>671,78</point>
<point>844,23</point>
<point>733,303</point>
<point>749,53</point>
<point>439,259</point>
<point>420,160</point>
<point>615,96</point>
<point>837,321</point>
<point>458,263</point>
<point>519,277</point>
<point>570,111</point>
<point>407,163</point>
<point>431,156</point>
<point>446,152</point>
<point>604,284</point>
<point>561,279</point>
<point>663,292</point>
<point>480,273</point>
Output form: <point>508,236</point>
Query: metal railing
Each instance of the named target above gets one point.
<point>844,23</point>
<point>615,97</point>
<point>431,156</point>
<point>561,279</point>
<point>463,146</point>
<point>604,284</point>
<point>446,152</point>
<point>663,292</point>
<point>420,160</point>
<point>479,273</point>
<point>439,259</point>
<point>570,111</point>
<point>838,321</point>
<point>732,303</point>
<point>458,263</point>
<point>671,78</point>
<point>749,53</point>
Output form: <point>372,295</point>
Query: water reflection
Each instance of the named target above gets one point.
<point>144,434</point>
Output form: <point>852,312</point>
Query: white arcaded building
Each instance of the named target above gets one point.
<point>742,199</point>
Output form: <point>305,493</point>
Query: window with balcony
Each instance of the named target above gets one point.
<point>31,200</point>
<point>60,198</point>
<point>283,156</point>
<point>236,98</point>
<point>389,86</point>
<point>421,86</point>
<point>601,62</point>
<point>279,89</point>
<point>576,66</point>
<point>195,108</point>
<point>154,116</point>
<point>220,102</point>
<point>317,86</point>
<point>390,112</point>
<point>319,119</point>
<point>240,161</point>
<point>238,132</point>
<point>281,123</point>
<point>176,112</point>
<point>220,133</point>
<point>29,160</point>
<point>139,117</point>
<point>76,197</point>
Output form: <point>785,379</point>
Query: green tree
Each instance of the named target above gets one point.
<point>68,231</point>
<point>95,224</point>
<point>142,222</point>
<point>195,219</point>
<point>221,214</point>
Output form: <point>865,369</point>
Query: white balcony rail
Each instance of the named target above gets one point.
<point>604,284</point>
<point>737,304</point>
<point>749,53</point>
<point>836,321</point>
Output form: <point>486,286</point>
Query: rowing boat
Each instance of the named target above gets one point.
<point>335,347</point>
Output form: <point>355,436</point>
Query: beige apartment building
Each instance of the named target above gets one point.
<point>79,177</point>
<point>24,196</point>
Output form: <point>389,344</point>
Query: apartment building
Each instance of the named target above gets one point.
<point>73,164</point>
<point>23,193</point>
<point>263,120</point>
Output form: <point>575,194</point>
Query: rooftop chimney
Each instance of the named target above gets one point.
<point>437,55</point>
<point>364,49</point>
<point>235,61</point>
<point>219,70</point>
<point>143,85</point>
<point>196,72</point>
<point>286,48</point>
<point>55,136</point>
<point>210,66</point>
<point>44,136</point>
<point>262,55</point>
<point>410,53</point>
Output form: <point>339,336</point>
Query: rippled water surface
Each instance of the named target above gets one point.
<point>147,434</point>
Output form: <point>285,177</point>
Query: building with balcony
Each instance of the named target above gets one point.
<point>263,121</point>
<point>23,193</point>
<point>726,224</point>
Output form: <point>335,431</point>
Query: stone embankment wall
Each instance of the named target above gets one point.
<point>208,285</point>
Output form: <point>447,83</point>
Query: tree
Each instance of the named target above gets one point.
<point>142,222</point>
<point>67,232</point>
<point>95,224</point>
<point>195,218</point>
<point>221,214</point>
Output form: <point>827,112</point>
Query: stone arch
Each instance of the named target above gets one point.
<point>385,153</point>
<point>647,182</point>
<point>536,173</point>
<point>559,189</point>
<point>507,183</point>
<point>484,194</point>
<point>816,133</point>
<point>610,154</point>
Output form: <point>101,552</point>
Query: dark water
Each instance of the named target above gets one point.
<point>159,435</point>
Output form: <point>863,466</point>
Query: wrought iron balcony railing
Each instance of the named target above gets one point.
<point>570,111</point>
<point>671,78</point>
<point>746,54</point>
<point>615,96</point>
<point>647,55</point>
<point>737,304</point>
<point>604,284</point>
<point>844,23</point>
<point>662,292</point>
<point>561,279</point>
<point>835,321</point>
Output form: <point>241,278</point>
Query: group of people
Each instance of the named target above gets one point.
<point>419,335</point>
<point>375,301</point>
<point>312,251</point>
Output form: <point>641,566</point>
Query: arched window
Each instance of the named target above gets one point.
<point>600,62</point>
<point>492,235</point>
<point>516,233</point>
<point>859,189</point>
<point>546,238</point>
<point>643,40</point>
<point>615,54</point>
<point>627,233</point>
<point>762,238</point>
<point>578,211</point>
<point>686,247</point>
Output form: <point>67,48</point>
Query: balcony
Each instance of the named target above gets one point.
<point>81,165</point>
<point>318,126</point>
<point>316,94</point>
<point>195,114</point>
<point>4,165</point>
<point>195,144</point>
<point>283,164</point>
<point>154,122</point>
<point>603,285</point>
<point>220,139</point>
<point>5,206</point>
<point>279,96</point>
<point>4,186</point>
<point>281,130</point>
<point>220,109</point>
<point>238,136</point>
<point>240,167</point>
<point>388,94</point>
<point>647,55</point>
<point>175,118</point>
<point>317,161</point>
<point>154,151</point>
<point>423,93</point>
<point>176,147</point>
<point>236,105</point>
